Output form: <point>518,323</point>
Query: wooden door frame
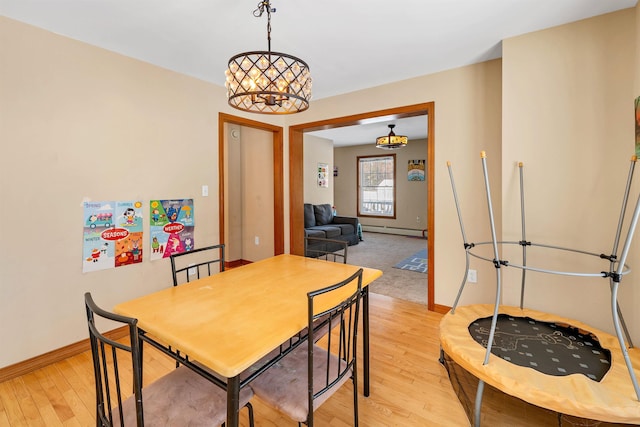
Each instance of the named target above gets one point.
<point>278,175</point>
<point>296,175</point>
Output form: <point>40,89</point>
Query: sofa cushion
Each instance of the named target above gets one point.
<point>330,231</point>
<point>309,215</point>
<point>345,228</point>
<point>324,214</point>
<point>313,232</point>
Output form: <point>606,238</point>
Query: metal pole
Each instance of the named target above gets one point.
<point>464,238</point>
<point>523,242</point>
<point>616,242</point>
<point>614,297</point>
<point>496,258</point>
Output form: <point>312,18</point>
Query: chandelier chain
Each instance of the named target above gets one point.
<point>259,11</point>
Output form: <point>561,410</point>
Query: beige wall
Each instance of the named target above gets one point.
<point>257,194</point>
<point>411,197</point>
<point>233,193</point>
<point>78,122</point>
<point>317,150</point>
<point>467,120</point>
<point>637,66</point>
<point>249,194</point>
<point>82,123</point>
<point>567,114</point>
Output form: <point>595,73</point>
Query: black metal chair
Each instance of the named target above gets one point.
<point>182,397</point>
<point>198,262</point>
<point>327,249</point>
<point>326,365</point>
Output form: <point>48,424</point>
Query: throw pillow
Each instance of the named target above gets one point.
<point>324,214</point>
<point>309,216</point>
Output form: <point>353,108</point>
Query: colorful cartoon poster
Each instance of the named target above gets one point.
<point>323,175</point>
<point>637,124</point>
<point>171,227</point>
<point>112,234</point>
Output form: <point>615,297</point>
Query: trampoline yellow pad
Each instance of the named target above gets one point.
<point>612,400</point>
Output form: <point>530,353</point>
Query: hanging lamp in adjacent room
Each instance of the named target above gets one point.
<point>391,141</point>
<point>268,82</point>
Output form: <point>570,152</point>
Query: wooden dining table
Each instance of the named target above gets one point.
<point>229,321</point>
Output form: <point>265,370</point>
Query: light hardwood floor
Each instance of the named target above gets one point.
<point>409,387</point>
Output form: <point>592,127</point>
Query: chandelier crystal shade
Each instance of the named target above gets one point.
<point>268,82</point>
<point>391,141</point>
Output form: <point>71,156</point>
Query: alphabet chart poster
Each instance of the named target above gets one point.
<point>171,227</point>
<point>112,234</point>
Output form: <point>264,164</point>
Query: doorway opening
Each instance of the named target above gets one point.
<point>224,122</point>
<point>296,174</point>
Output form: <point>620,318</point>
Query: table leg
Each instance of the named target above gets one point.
<point>365,339</point>
<point>233,401</point>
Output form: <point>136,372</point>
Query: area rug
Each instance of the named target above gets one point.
<point>416,262</point>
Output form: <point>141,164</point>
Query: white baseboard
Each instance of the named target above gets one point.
<point>392,230</point>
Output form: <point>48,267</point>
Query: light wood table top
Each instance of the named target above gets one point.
<point>230,320</point>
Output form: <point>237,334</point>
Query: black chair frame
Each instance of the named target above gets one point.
<point>201,269</point>
<point>101,347</point>
<point>345,316</point>
<point>327,249</point>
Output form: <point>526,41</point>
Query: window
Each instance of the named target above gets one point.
<point>376,186</point>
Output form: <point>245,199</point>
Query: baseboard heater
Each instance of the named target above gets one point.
<point>393,230</point>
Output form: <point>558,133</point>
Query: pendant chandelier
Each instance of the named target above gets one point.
<point>268,82</point>
<point>391,141</point>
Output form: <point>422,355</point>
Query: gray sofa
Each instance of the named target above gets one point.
<point>320,222</point>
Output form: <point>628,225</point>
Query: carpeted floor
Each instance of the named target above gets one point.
<point>383,251</point>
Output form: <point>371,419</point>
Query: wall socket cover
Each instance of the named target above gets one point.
<point>472,276</point>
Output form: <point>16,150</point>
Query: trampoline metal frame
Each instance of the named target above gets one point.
<point>617,267</point>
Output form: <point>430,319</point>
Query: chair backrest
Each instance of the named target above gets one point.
<point>342,320</point>
<point>327,249</point>
<point>116,367</point>
<point>192,265</point>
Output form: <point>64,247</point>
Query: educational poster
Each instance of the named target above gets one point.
<point>637,126</point>
<point>171,225</point>
<point>112,234</point>
<point>415,170</point>
<point>323,175</point>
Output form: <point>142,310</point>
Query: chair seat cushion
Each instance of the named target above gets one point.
<point>284,385</point>
<point>182,398</point>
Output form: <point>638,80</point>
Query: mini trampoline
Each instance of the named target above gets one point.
<point>612,399</point>
<point>558,365</point>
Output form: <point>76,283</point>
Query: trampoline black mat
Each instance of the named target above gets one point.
<point>549,348</point>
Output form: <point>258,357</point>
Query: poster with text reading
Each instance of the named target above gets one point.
<point>112,234</point>
<point>171,227</point>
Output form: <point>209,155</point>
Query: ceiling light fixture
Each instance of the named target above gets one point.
<point>268,82</point>
<point>391,141</point>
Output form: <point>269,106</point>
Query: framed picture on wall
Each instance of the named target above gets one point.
<point>323,175</point>
<point>415,170</point>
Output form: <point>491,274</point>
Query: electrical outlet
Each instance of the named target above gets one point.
<point>192,271</point>
<point>257,240</point>
<point>472,276</point>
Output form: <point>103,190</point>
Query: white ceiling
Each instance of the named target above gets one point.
<point>348,44</point>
